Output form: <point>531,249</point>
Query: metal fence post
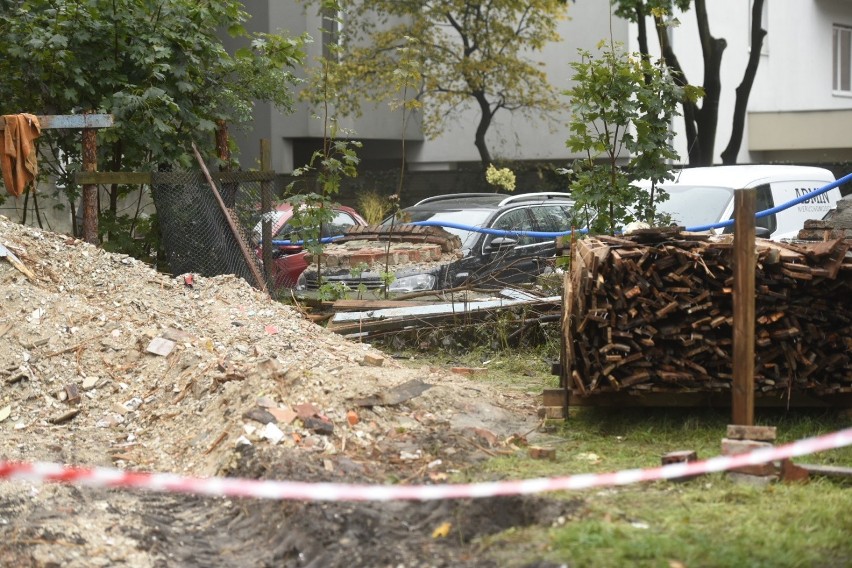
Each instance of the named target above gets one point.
<point>265,208</point>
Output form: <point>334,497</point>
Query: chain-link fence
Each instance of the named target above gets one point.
<point>198,235</point>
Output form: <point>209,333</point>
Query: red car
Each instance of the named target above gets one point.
<point>289,260</point>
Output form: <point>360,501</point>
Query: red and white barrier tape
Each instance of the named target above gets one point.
<point>40,472</point>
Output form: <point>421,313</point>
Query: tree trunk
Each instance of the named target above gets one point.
<point>642,35</point>
<point>485,116</point>
<point>729,155</point>
<point>707,117</point>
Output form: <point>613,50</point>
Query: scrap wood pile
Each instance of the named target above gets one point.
<point>653,312</point>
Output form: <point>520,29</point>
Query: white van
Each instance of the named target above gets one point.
<point>703,196</point>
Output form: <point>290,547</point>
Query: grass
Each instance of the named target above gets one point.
<point>706,521</point>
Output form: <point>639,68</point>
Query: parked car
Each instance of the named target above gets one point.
<point>290,260</point>
<point>486,260</point>
<point>703,196</point>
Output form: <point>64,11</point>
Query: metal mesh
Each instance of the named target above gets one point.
<point>196,234</point>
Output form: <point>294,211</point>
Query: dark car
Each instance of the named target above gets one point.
<point>483,260</point>
<point>290,260</point>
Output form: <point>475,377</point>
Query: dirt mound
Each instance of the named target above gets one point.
<point>104,361</point>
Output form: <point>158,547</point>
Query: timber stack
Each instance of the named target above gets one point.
<point>653,313</point>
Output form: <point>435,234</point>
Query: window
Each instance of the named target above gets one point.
<point>516,220</point>
<point>551,218</point>
<point>339,225</point>
<point>842,60</point>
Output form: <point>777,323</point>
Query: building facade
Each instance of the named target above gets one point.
<point>800,108</point>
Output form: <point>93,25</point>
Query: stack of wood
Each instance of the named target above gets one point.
<point>653,312</point>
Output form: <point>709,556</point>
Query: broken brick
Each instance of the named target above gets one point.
<point>541,453</point>
<point>759,433</point>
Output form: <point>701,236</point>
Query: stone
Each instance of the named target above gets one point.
<point>259,415</point>
<point>319,425</point>
<point>72,394</point>
<point>352,418</point>
<point>272,433</point>
<point>161,346</point>
<point>370,360</point>
<point>90,382</point>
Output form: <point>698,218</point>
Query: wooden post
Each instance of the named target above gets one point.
<point>265,208</point>
<point>742,403</point>
<point>90,191</point>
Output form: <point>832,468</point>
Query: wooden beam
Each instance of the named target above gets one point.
<point>146,178</point>
<point>109,178</point>
<point>742,403</point>
<point>78,121</point>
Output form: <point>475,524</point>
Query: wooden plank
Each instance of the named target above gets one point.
<point>456,308</point>
<point>77,121</point>
<point>827,470</point>
<point>554,397</point>
<point>633,399</point>
<point>742,405</point>
<point>373,304</point>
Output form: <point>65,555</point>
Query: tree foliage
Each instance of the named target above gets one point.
<point>622,107</point>
<point>158,67</point>
<point>469,53</point>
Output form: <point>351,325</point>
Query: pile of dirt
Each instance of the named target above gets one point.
<point>105,362</point>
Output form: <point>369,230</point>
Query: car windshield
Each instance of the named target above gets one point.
<point>472,217</point>
<point>694,205</point>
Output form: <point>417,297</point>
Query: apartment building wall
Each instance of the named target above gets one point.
<point>793,113</point>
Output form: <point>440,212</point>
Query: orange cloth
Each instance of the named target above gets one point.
<point>17,152</point>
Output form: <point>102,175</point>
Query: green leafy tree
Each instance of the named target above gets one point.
<point>622,107</point>
<point>159,67</point>
<point>700,121</point>
<point>468,52</point>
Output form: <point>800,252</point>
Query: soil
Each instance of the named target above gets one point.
<point>106,362</point>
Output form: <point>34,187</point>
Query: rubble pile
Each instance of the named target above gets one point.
<point>401,246</point>
<point>106,362</point>
<point>117,364</point>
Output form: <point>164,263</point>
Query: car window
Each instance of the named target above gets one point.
<point>338,226</point>
<point>762,201</point>
<point>515,220</point>
<point>551,218</point>
<point>695,205</point>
